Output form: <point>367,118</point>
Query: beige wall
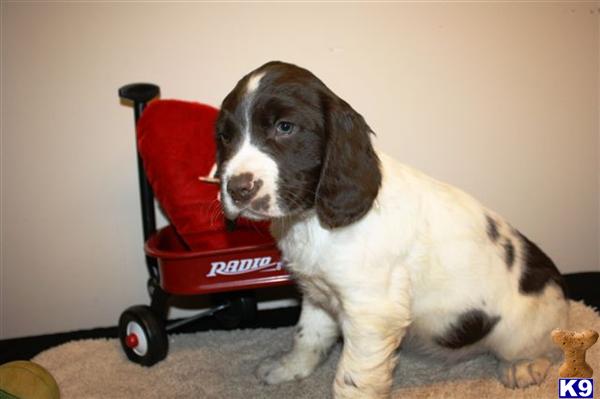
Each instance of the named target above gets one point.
<point>499,99</point>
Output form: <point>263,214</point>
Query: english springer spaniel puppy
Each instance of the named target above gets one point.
<point>382,253</point>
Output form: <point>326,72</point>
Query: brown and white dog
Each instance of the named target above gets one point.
<point>381,252</point>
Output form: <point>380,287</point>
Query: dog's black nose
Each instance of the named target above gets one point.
<point>242,188</point>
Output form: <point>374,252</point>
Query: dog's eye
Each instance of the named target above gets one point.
<point>224,137</point>
<point>285,128</point>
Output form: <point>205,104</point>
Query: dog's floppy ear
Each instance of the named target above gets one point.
<point>351,175</point>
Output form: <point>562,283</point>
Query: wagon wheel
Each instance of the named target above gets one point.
<point>143,335</point>
<point>241,308</point>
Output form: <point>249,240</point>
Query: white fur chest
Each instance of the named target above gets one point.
<point>304,245</point>
<point>301,242</point>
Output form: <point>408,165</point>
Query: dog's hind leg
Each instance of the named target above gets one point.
<point>523,343</point>
<point>523,373</point>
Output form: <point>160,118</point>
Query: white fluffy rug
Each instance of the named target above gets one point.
<point>221,365</point>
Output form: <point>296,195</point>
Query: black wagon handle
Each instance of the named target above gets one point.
<point>140,94</point>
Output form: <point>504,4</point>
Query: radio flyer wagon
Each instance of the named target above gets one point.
<point>229,262</point>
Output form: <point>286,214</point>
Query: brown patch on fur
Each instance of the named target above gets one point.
<point>262,203</point>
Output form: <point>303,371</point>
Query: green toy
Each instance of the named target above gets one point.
<point>27,380</point>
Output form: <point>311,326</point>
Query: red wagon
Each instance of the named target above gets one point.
<point>233,261</point>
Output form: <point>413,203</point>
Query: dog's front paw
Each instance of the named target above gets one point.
<point>275,370</point>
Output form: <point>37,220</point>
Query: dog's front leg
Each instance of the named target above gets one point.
<point>315,334</point>
<point>369,355</point>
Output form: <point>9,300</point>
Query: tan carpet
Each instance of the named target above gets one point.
<point>221,365</point>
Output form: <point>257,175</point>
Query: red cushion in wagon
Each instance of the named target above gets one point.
<point>176,143</point>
